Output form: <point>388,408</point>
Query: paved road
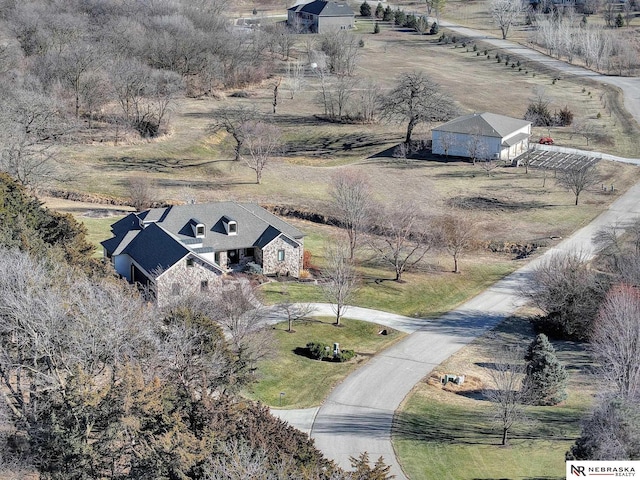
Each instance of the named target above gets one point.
<point>629,85</point>
<point>358,414</point>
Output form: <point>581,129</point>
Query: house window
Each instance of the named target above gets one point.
<point>216,257</point>
<point>200,231</point>
<point>189,262</point>
<point>281,255</point>
<point>204,285</point>
<point>233,228</point>
<point>175,289</point>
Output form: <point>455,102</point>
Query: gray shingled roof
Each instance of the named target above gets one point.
<point>155,250</point>
<point>169,232</point>
<point>485,124</point>
<point>324,8</point>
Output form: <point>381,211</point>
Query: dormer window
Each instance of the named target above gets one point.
<point>230,225</point>
<point>200,230</point>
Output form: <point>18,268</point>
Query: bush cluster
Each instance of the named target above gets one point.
<point>322,351</point>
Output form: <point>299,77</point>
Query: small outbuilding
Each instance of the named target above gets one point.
<point>320,16</point>
<point>482,136</point>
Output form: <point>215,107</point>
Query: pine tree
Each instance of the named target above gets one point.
<point>376,28</point>
<point>546,378</point>
<point>379,11</point>
<point>365,9</point>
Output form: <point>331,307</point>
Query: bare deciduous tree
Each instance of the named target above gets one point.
<point>232,121</point>
<point>416,99</point>
<point>367,101</point>
<point>351,203</point>
<point>615,339</point>
<point>262,142</point>
<point>402,237</point>
<point>567,291</point>
<point>141,191</point>
<point>447,140</point>
<point>295,77</point>
<point>505,14</point>
<point>342,49</point>
<point>293,311</point>
<point>579,179</point>
<point>456,234</point>
<point>505,392</point>
<point>339,279</point>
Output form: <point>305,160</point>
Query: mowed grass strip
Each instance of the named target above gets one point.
<point>448,441</point>
<point>421,294</point>
<point>307,382</point>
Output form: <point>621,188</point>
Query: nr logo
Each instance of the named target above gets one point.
<point>578,470</point>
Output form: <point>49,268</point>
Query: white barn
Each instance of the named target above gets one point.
<point>482,136</point>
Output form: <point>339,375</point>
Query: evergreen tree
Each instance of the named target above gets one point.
<point>546,379</point>
<point>619,21</point>
<point>365,9</point>
<point>379,10</point>
<point>434,29</point>
<point>376,28</point>
<point>399,17</point>
<point>387,15</point>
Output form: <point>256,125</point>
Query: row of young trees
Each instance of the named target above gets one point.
<point>567,37</point>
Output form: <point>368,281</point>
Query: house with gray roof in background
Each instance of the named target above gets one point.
<point>482,136</point>
<point>187,249</point>
<point>320,16</point>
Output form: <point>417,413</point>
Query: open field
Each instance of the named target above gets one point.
<point>304,381</point>
<point>439,427</point>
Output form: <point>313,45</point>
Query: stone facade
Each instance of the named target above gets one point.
<point>272,262</point>
<point>182,279</point>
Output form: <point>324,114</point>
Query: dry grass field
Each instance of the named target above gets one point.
<point>512,207</point>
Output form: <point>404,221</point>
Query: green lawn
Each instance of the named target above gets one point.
<point>306,382</point>
<point>432,437</point>
<point>98,229</point>
<point>423,294</point>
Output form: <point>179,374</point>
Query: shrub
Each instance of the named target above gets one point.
<point>475,47</point>
<point>376,28</point>
<point>498,58</point>
<point>435,29</point>
<point>564,117</point>
<point>344,356</point>
<point>319,350</point>
<point>253,268</point>
<point>486,52</point>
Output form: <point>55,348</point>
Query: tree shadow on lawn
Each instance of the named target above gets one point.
<point>157,165</point>
<point>468,426</point>
<point>328,145</point>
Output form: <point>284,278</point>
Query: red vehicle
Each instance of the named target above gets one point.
<point>546,141</point>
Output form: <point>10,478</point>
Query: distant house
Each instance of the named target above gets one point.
<point>483,136</point>
<point>189,248</point>
<point>320,16</point>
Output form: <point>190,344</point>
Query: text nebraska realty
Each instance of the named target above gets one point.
<point>581,470</point>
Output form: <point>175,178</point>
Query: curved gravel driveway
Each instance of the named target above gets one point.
<point>358,414</point>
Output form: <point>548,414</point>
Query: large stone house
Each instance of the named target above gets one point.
<point>320,16</point>
<point>190,248</point>
<point>482,136</point>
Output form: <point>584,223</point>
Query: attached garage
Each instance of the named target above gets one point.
<point>482,136</point>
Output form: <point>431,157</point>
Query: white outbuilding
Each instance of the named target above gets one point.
<point>482,136</point>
